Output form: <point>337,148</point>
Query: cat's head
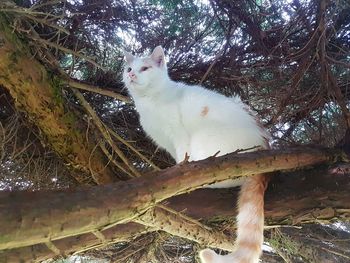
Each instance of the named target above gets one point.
<point>144,73</point>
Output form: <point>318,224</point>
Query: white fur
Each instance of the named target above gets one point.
<point>171,114</point>
<point>248,210</point>
<point>189,119</point>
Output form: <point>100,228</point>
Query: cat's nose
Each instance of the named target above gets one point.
<point>132,75</point>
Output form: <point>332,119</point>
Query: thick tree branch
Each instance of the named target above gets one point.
<point>39,217</point>
<point>312,197</point>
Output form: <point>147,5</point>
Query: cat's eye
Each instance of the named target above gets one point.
<point>144,68</point>
<point>129,69</point>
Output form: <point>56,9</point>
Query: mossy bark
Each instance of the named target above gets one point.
<point>39,95</point>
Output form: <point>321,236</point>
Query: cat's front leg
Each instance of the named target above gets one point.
<point>183,153</point>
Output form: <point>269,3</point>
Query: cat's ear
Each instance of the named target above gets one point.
<point>129,58</point>
<point>158,56</point>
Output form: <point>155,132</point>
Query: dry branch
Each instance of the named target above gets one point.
<point>132,148</point>
<point>39,217</point>
<point>68,51</point>
<point>104,132</point>
<point>83,86</point>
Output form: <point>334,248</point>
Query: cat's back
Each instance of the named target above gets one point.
<point>204,105</point>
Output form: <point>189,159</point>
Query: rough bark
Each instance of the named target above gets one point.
<point>76,244</point>
<point>329,195</point>
<point>178,225</point>
<point>38,217</point>
<point>40,96</point>
<point>311,196</point>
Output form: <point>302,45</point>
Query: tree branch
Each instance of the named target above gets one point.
<point>83,86</point>
<point>312,197</point>
<point>174,223</point>
<point>37,217</point>
<point>76,244</point>
<point>104,131</point>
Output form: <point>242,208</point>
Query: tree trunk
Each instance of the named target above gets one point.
<point>39,217</point>
<point>40,96</point>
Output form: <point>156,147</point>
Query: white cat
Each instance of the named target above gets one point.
<point>190,119</point>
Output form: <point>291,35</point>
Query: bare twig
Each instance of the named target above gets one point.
<point>115,135</point>
<point>83,86</point>
<point>104,131</point>
<point>112,159</point>
<point>68,51</point>
<point>45,22</point>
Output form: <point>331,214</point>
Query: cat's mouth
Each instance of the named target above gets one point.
<point>134,82</point>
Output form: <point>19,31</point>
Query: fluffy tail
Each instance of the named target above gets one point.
<point>250,225</point>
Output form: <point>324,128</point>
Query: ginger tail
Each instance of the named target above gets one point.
<point>250,225</point>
